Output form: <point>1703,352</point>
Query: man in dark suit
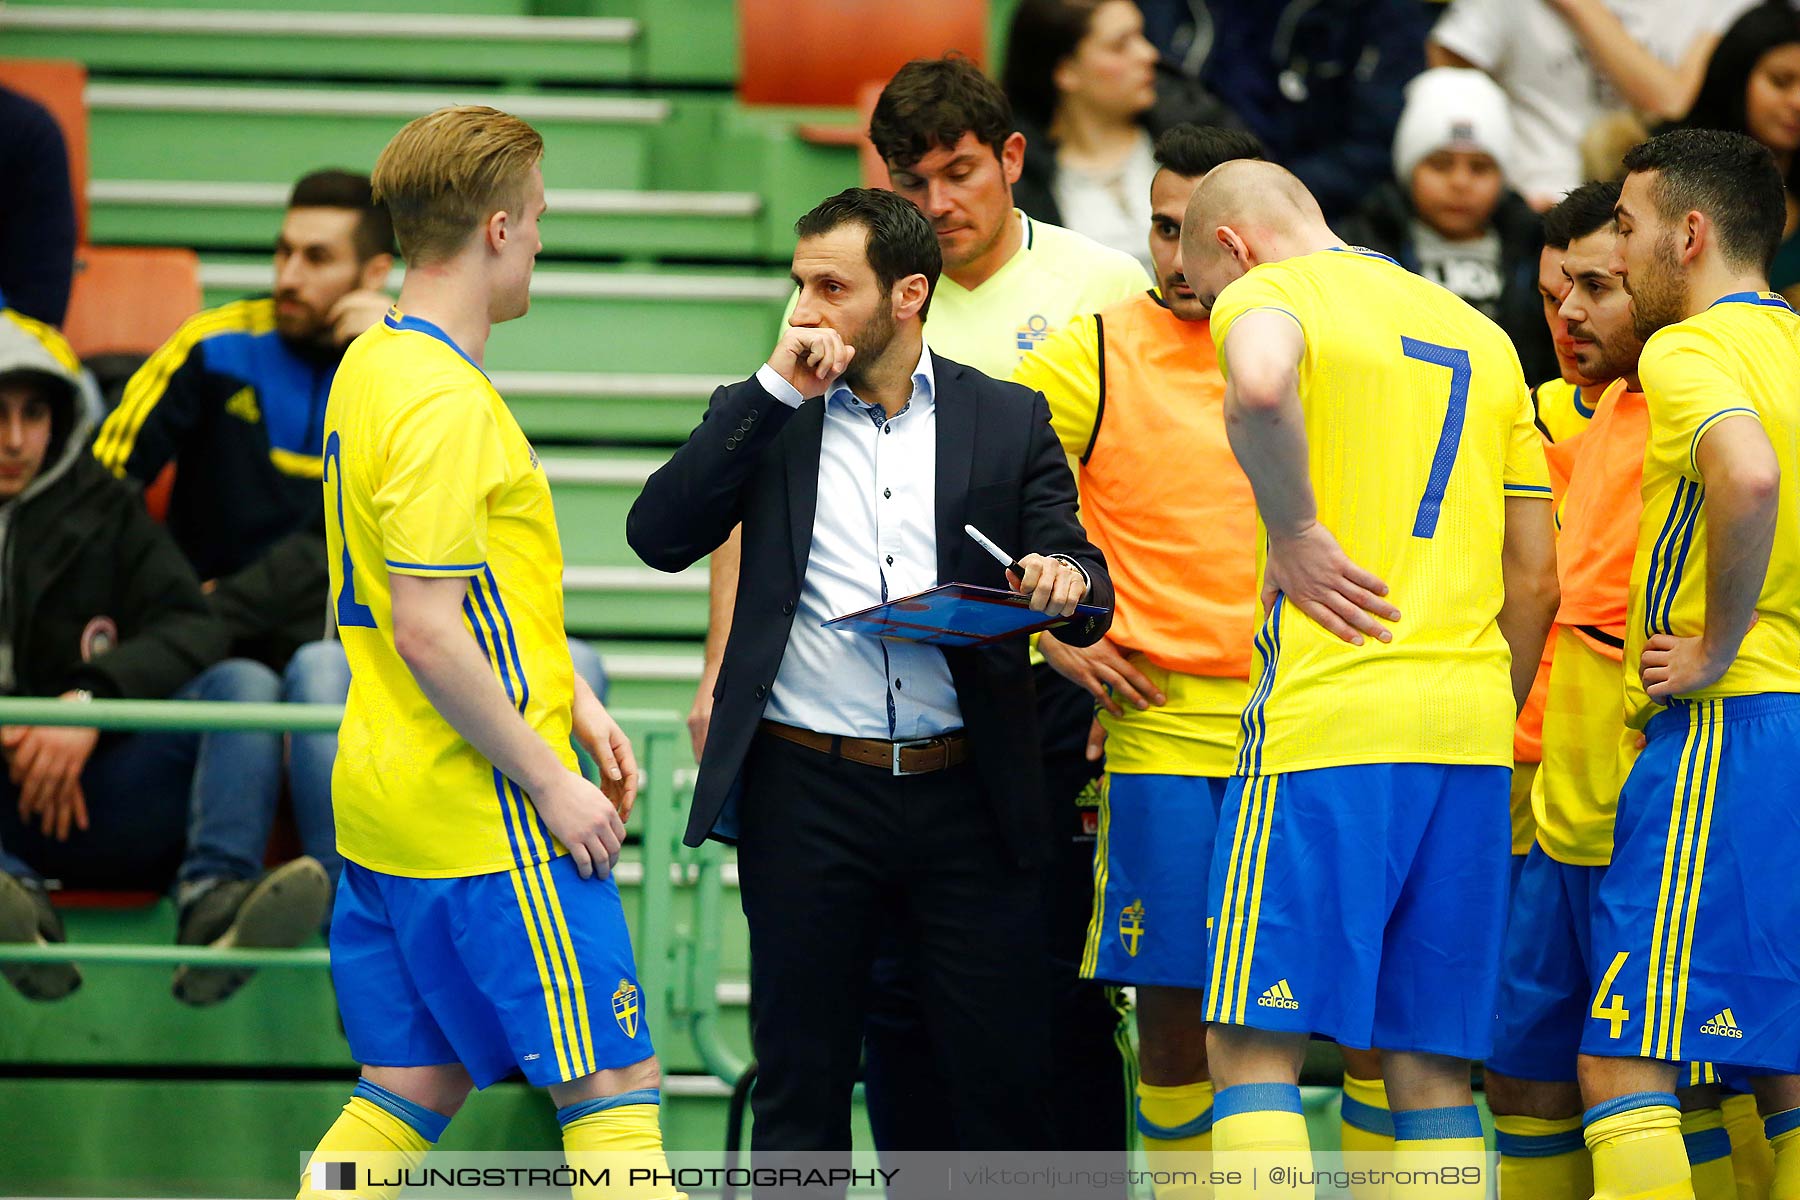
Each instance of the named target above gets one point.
<point>876,785</point>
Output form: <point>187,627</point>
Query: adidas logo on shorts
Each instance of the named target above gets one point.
<point>1279,996</point>
<point>1723,1025</point>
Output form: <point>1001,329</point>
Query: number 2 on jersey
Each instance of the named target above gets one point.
<point>351,612</point>
<point>1457,361</point>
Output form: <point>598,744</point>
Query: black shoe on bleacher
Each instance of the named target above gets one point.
<point>26,916</point>
<point>279,910</point>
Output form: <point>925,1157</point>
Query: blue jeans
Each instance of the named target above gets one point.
<point>319,674</point>
<point>175,805</point>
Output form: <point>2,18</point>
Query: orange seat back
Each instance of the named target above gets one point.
<point>61,87</point>
<point>821,52</point>
<point>130,299</point>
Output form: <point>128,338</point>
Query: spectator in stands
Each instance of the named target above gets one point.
<point>37,210</point>
<point>1320,82</point>
<point>98,601</point>
<point>1086,93</point>
<point>1448,213</point>
<point>1566,63</point>
<point>1752,86</point>
<point>235,402</point>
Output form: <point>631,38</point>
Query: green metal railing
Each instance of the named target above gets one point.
<point>678,964</point>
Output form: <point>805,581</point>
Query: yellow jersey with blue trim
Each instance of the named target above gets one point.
<point>1738,358</point>
<point>1563,408</point>
<point>1419,427</point>
<point>1055,275</point>
<point>428,474</point>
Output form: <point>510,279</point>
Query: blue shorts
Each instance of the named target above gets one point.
<point>524,970</point>
<point>1363,903</point>
<point>1149,922</point>
<point>1544,983</point>
<point>1694,944</point>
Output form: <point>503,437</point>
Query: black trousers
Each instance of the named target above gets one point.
<point>833,856</point>
<point>1088,1103</point>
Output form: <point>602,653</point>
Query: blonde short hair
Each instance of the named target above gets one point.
<point>445,173</point>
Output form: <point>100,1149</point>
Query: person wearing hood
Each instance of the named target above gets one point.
<point>96,600</point>
<point>1449,214</point>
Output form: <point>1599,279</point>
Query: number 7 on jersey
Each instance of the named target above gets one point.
<point>1450,439</point>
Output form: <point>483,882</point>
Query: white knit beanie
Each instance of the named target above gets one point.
<point>1452,107</point>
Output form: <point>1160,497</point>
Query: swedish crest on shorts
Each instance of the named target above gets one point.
<point>625,1007</point>
<point>1131,926</point>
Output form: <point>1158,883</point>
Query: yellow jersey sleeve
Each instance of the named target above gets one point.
<point>1738,358</point>
<point>1527,474</point>
<point>1563,409</point>
<point>1066,368</point>
<point>1248,293</point>
<point>444,461</point>
<point>1690,387</point>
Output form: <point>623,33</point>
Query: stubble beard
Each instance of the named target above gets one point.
<point>1659,295</point>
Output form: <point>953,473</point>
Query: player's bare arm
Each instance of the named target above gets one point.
<point>721,589</point>
<point>1266,425</point>
<point>435,644</point>
<point>601,737</point>
<point>1743,482</point>
<point>1103,671</point>
<point>1528,572</point>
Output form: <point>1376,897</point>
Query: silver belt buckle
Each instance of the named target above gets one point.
<point>915,743</point>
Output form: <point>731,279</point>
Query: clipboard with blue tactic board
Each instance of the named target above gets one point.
<point>954,615</point>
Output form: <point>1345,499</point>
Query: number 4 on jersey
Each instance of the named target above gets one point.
<point>1450,439</point>
<point>1614,1011</point>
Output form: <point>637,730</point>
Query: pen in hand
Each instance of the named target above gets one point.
<point>1000,556</point>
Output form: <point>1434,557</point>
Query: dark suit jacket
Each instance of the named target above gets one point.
<point>755,460</point>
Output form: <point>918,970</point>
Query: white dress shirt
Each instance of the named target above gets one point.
<point>874,539</point>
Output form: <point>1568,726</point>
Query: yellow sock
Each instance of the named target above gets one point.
<point>1637,1148</point>
<point>1752,1160</point>
<point>1175,1123</point>
<point>1366,1130</point>
<point>1260,1127</point>
<point>619,1135</point>
<point>1542,1159</point>
<point>1783,1131</point>
<point>369,1148</point>
<point>1446,1148</point>
<point>1709,1154</point>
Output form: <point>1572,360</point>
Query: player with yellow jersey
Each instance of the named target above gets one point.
<point>1530,1076</point>
<point>1136,399</point>
<point>1693,926</point>
<point>478,932</point>
<point>1359,880</point>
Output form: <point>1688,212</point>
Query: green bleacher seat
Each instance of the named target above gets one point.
<point>124,1016</point>
<point>503,8</point>
<point>212,215</point>
<point>607,592</point>
<point>604,335</point>
<point>606,406</point>
<point>366,44</point>
<point>671,41</point>
<point>683,175</point>
<point>189,132</point>
<point>660,675</point>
